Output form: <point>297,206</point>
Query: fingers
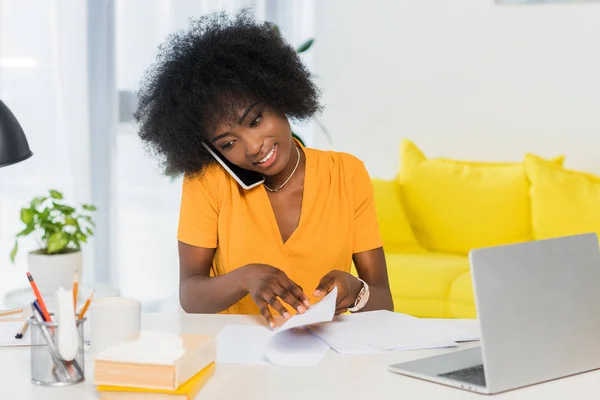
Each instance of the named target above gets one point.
<point>341,310</point>
<point>292,300</point>
<point>297,292</point>
<point>291,293</point>
<point>277,306</point>
<point>325,285</point>
<point>342,305</point>
<point>280,287</point>
<point>264,310</point>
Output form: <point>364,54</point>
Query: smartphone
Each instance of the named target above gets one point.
<point>245,178</point>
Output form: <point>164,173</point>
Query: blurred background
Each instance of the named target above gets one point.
<point>473,79</point>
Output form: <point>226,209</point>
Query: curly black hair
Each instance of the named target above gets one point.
<point>207,72</point>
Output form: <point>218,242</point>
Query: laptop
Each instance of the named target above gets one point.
<point>538,305</point>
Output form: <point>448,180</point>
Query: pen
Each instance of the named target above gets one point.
<point>58,362</point>
<point>39,310</point>
<point>38,295</point>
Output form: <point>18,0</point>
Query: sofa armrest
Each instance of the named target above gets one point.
<point>394,226</point>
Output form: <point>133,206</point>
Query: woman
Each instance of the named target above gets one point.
<point>278,247</point>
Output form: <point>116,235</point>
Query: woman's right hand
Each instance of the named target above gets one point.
<point>267,284</point>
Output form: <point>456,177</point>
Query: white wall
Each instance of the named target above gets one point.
<point>462,78</point>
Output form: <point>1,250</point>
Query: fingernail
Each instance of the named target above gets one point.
<point>301,309</point>
<point>272,324</point>
<point>286,315</point>
<point>307,303</point>
<point>317,293</point>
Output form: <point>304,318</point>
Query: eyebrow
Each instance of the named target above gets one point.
<point>244,115</point>
<point>250,107</point>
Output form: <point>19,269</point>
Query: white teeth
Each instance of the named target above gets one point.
<point>268,155</point>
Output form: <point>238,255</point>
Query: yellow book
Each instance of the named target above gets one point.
<point>188,391</point>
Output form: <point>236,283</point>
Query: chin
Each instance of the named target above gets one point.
<point>272,171</point>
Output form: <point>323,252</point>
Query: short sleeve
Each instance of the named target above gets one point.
<point>199,212</point>
<point>366,227</point>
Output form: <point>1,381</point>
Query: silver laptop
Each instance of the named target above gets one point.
<point>538,305</point>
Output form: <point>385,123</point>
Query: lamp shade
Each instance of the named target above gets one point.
<point>13,143</point>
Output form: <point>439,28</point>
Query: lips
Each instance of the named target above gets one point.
<point>268,158</point>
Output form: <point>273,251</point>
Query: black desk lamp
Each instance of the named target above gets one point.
<point>13,144</point>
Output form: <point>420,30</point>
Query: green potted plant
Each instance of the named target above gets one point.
<point>60,230</point>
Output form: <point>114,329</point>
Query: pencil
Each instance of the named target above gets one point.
<point>86,305</point>
<point>11,312</point>
<point>21,334</point>
<point>75,289</point>
<point>38,295</point>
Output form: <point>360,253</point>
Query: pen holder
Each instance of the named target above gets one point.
<point>47,366</point>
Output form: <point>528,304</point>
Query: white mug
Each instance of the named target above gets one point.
<point>112,321</point>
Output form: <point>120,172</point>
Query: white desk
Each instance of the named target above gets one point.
<point>337,377</point>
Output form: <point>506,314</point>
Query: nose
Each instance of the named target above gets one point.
<point>254,145</point>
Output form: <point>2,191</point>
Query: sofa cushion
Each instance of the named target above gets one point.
<point>421,283</point>
<point>396,232</point>
<point>455,206</point>
<point>563,202</point>
<point>462,299</point>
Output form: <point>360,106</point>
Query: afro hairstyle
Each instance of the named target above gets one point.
<point>204,74</point>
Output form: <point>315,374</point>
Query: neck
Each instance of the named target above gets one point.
<point>276,180</point>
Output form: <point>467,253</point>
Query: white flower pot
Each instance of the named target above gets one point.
<point>51,272</point>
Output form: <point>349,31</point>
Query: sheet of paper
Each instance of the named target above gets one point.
<point>8,330</point>
<point>243,344</point>
<point>290,345</point>
<point>456,334</point>
<point>322,311</point>
<point>376,331</point>
<point>295,347</point>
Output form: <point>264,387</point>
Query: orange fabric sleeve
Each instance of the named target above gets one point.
<point>366,231</point>
<point>199,212</point>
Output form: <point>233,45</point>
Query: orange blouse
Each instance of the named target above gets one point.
<point>337,219</point>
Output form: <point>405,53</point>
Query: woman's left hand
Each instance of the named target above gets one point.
<point>348,289</point>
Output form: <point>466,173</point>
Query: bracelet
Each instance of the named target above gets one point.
<point>362,298</point>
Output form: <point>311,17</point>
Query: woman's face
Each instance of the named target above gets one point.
<point>260,140</point>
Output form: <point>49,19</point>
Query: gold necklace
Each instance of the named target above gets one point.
<point>289,177</point>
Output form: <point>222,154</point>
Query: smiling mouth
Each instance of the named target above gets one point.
<point>269,159</point>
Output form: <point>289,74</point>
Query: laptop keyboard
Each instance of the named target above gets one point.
<point>474,375</point>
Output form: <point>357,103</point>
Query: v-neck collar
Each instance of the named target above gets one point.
<point>307,200</point>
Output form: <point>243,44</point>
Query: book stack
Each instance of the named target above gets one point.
<point>156,366</point>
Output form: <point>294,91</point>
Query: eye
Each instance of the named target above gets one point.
<point>227,145</point>
<point>256,120</point>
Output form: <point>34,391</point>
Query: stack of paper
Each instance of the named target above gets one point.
<point>289,345</point>
<point>305,338</point>
<point>375,331</point>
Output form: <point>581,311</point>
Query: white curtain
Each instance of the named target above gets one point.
<point>43,80</point>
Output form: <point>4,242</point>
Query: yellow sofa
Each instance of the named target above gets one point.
<point>423,283</point>
<point>437,210</point>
